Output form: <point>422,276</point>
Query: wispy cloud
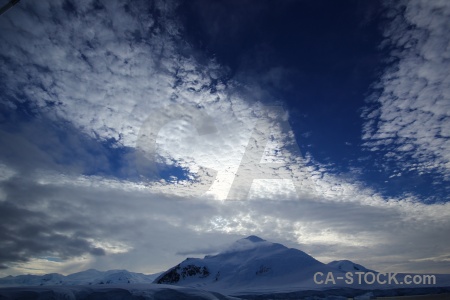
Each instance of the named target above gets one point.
<point>148,231</point>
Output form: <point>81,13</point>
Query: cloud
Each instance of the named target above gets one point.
<point>40,220</point>
<point>408,116</point>
<point>72,217</point>
<point>82,81</point>
<point>101,67</point>
<point>107,68</point>
<point>28,231</point>
<point>379,236</point>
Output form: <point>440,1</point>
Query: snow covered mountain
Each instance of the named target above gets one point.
<point>88,277</point>
<point>249,264</point>
<point>251,268</point>
<point>348,266</point>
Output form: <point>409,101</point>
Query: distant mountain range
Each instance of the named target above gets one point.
<point>249,262</point>
<point>88,277</point>
<point>251,268</point>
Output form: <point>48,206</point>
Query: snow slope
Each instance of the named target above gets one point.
<point>110,292</point>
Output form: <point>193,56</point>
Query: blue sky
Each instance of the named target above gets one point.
<point>123,125</point>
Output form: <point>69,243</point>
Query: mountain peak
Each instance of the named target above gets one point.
<point>249,262</point>
<point>254,239</point>
<point>249,243</point>
<point>348,266</point>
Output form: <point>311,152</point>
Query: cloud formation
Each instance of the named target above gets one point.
<point>409,112</point>
<point>115,224</point>
<point>83,80</point>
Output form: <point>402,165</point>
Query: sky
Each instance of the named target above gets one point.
<point>137,133</point>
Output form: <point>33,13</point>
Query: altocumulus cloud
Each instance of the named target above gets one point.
<point>79,80</point>
<point>410,116</point>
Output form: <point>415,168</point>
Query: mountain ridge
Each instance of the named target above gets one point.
<point>247,259</point>
<point>87,277</point>
<point>250,266</point>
